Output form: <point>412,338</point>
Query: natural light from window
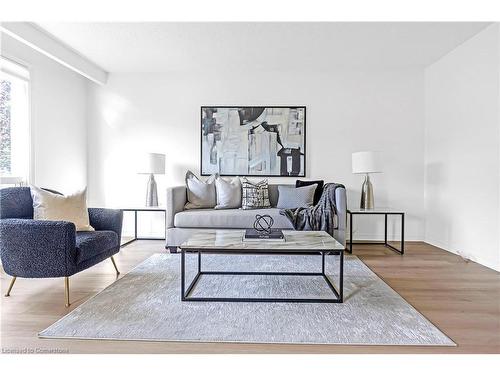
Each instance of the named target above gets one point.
<point>14,122</point>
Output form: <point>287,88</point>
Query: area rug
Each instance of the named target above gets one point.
<point>145,304</point>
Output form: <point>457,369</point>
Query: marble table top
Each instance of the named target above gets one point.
<point>232,240</point>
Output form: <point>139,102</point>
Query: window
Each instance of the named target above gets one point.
<point>14,122</point>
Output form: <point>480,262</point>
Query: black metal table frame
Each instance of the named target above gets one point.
<point>141,209</point>
<point>400,251</point>
<point>339,294</point>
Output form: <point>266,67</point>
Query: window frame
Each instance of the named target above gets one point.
<point>24,65</point>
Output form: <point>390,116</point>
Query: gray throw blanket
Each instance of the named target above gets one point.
<point>322,216</point>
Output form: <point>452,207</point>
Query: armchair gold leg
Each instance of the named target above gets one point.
<point>10,286</point>
<point>66,290</point>
<point>114,264</point>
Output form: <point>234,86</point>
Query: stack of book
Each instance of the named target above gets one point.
<point>255,235</point>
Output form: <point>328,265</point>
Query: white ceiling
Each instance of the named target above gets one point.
<point>171,47</point>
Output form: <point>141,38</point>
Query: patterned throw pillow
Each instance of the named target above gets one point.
<point>295,197</point>
<point>255,195</point>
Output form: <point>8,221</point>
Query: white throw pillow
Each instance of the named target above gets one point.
<point>228,193</point>
<point>55,207</point>
<point>200,194</point>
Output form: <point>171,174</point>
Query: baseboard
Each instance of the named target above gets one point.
<point>378,237</point>
<point>442,246</point>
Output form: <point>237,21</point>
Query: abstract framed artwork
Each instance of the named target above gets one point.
<point>253,141</point>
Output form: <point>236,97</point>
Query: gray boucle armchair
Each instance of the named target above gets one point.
<point>37,249</point>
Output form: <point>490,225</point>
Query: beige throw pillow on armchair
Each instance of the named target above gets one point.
<point>72,208</point>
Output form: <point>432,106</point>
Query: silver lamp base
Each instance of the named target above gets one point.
<point>152,193</point>
<point>367,194</point>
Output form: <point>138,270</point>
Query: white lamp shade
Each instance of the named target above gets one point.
<point>366,162</point>
<point>153,164</point>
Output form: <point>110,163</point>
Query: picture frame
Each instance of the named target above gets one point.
<point>259,141</point>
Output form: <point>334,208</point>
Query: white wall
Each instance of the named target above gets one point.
<point>82,131</point>
<point>347,111</point>
<point>58,119</point>
<point>462,162</point>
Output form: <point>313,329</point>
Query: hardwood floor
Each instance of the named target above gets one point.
<point>461,298</point>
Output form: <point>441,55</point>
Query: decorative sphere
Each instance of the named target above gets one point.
<point>263,223</point>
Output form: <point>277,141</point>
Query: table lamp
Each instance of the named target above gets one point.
<point>366,162</point>
<point>153,164</point>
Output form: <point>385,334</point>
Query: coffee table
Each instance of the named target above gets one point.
<point>231,242</point>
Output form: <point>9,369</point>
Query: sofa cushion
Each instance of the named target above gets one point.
<point>254,195</point>
<point>231,218</point>
<point>228,193</point>
<point>274,194</point>
<point>200,194</point>
<point>293,197</point>
<point>91,244</point>
<point>319,188</point>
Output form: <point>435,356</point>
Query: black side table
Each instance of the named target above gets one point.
<point>143,209</point>
<point>378,211</point>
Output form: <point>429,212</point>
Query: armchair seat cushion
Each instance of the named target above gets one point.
<point>91,244</point>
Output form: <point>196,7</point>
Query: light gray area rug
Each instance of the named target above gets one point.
<point>145,305</point>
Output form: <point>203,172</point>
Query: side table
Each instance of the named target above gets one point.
<point>378,211</point>
<point>143,209</point>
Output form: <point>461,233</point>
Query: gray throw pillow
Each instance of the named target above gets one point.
<point>228,193</point>
<point>255,195</point>
<point>200,194</point>
<point>292,197</point>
